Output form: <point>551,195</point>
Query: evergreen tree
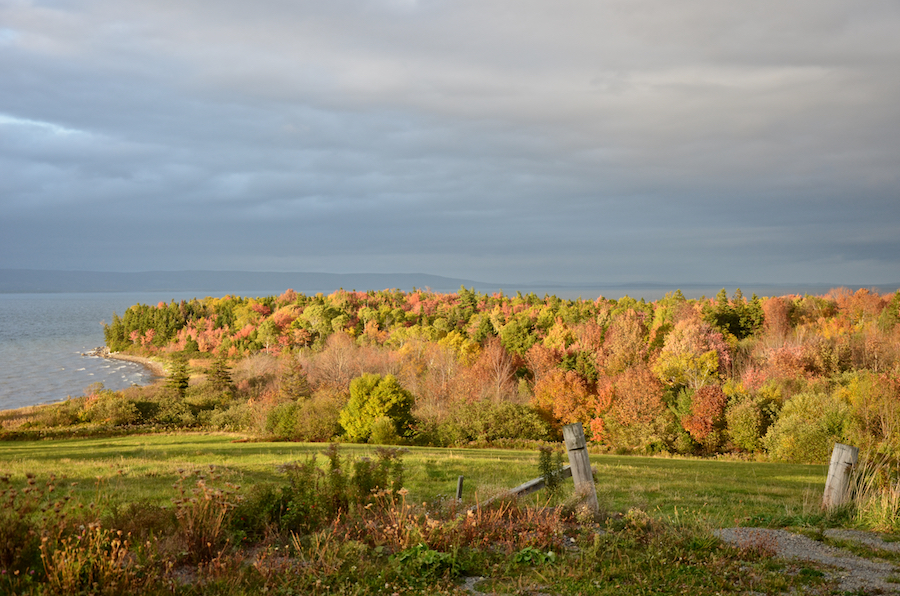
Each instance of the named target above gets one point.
<point>179,375</point>
<point>293,381</point>
<point>219,375</point>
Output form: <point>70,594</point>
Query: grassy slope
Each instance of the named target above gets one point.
<point>129,468</point>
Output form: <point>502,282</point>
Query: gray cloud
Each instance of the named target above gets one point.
<point>504,140</point>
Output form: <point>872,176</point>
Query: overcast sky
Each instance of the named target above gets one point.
<point>495,140</point>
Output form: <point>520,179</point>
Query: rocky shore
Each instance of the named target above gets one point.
<point>153,366</point>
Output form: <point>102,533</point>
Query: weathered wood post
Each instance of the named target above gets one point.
<point>459,485</point>
<point>843,458</point>
<point>573,434</point>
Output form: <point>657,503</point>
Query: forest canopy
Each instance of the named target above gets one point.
<point>783,377</point>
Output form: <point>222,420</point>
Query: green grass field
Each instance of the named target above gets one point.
<point>131,468</point>
<point>653,535</point>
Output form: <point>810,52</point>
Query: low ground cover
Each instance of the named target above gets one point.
<point>214,514</point>
<point>144,467</point>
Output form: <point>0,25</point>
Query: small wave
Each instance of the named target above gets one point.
<point>80,369</point>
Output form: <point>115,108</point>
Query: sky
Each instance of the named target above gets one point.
<point>495,140</point>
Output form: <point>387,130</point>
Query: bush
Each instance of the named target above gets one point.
<point>485,422</point>
<point>202,514</point>
<point>319,415</point>
<point>237,417</point>
<point>749,418</point>
<point>260,512</point>
<point>281,421</point>
<point>109,408</point>
<point>67,413</point>
<point>745,425</point>
<point>385,472</point>
<point>312,419</point>
<point>808,427</point>
<point>384,432</point>
<point>373,397</point>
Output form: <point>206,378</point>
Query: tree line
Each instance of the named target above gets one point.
<point>782,376</point>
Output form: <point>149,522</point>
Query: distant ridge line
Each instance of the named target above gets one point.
<point>45,281</point>
<point>38,281</point>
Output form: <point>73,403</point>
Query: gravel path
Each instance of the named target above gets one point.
<point>854,572</point>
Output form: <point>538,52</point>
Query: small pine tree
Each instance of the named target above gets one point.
<point>219,375</point>
<point>293,381</point>
<point>550,465</point>
<point>179,375</point>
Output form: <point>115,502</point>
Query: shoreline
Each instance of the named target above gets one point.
<point>156,368</point>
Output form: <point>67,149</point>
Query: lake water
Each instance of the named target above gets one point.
<point>43,338</point>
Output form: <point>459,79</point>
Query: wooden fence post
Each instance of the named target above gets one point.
<point>573,434</point>
<point>459,485</point>
<point>843,458</point>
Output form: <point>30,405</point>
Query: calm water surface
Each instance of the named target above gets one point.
<point>43,338</point>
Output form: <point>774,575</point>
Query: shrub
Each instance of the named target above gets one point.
<point>281,421</point>
<point>95,561</point>
<point>748,421</point>
<point>303,512</point>
<point>384,432</point>
<point>385,472</point>
<point>237,417</point>
<point>809,425</point>
<point>202,514</point>
<point>372,397</point>
<point>260,512</point>
<point>485,422</point>
<point>319,416</point>
<point>110,408</point>
<point>549,466</point>
<point>66,413</point>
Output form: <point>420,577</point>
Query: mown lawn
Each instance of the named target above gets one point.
<point>144,467</point>
<point>652,537</point>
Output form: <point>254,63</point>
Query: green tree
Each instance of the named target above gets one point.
<point>293,382</point>
<point>517,336</point>
<point>219,375</point>
<point>179,375</point>
<point>372,397</point>
<point>267,333</point>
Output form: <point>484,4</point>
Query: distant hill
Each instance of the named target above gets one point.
<point>259,283</point>
<point>40,281</point>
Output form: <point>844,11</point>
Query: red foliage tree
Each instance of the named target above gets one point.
<point>707,417</point>
<point>626,342</point>
<point>495,368</point>
<point>562,397</point>
<point>638,397</point>
<point>776,316</point>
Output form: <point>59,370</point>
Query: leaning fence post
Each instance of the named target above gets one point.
<point>459,485</point>
<point>573,434</point>
<point>843,458</point>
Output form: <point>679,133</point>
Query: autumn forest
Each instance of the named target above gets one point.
<point>779,377</point>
